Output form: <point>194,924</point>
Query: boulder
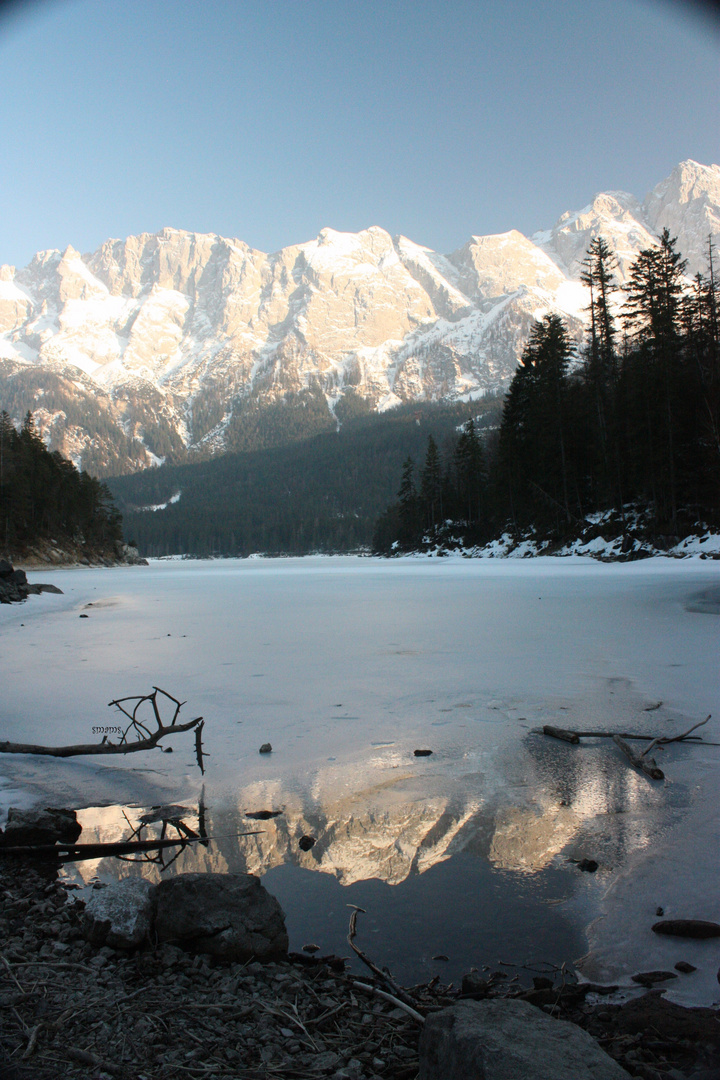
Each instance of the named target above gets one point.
<point>227,915</point>
<point>120,915</point>
<point>46,826</point>
<point>474,984</point>
<point>10,593</point>
<point>507,1039</point>
<point>36,590</point>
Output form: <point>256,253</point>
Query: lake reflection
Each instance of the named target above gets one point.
<point>479,873</point>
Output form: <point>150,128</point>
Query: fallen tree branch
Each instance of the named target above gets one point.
<point>548,729</point>
<point>678,738</point>
<point>388,979</point>
<point>86,1058</point>
<point>79,852</point>
<point>148,733</point>
<point>393,1000</point>
<point>561,733</point>
<point>639,761</point>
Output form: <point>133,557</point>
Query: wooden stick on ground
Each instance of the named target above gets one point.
<point>561,733</point>
<point>145,737</point>
<point>678,738</point>
<point>639,761</point>
<point>398,990</point>
<point>548,729</point>
<point>393,1000</point>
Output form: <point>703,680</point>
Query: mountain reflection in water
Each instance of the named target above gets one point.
<point>477,869</point>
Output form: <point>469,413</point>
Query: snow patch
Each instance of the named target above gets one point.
<point>162,506</point>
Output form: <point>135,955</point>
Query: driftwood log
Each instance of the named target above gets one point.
<point>142,733</point>
<point>641,761</point>
<point>561,733</point>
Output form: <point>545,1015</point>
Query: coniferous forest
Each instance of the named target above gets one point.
<point>629,425</point>
<point>321,493</point>
<point>44,497</point>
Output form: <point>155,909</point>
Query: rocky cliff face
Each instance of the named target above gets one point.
<point>159,344</point>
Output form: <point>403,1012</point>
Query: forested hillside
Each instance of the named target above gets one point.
<point>43,497</point>
<point>319,494</point>
<point>631,425</point>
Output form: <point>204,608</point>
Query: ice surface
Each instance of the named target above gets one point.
<point>347,665</point>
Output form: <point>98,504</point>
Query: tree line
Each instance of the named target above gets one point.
<point>630,422</point>
<point>322,493</point>
<point>44,497</point>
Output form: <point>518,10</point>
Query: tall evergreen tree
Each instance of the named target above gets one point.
<point>600,370</point>
<point>533,436</point>
<point>469,470</point>
<point>408,508</point>
<point>653,319</point>
<point>431,486</point>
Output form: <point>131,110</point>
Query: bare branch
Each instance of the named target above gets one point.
<point>646,765</point>
<point>393,1000</point>
<point>398,990</point>
<point>146,738</point>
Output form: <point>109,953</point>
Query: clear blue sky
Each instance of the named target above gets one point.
<point>270,119</point>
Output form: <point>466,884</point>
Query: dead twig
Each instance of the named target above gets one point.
<point>548,729</point>
<point>145,737</point>
<point>30,1048</point>
<point>648,766</point>
<point>292,1019</point>
<point>86,1058</point>
<point>79,852</point>
<point>388,979</point>
<point>665,741</point>
<point>11,973</point>
<point>392,999</point>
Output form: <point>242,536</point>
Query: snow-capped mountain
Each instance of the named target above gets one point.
<point>162,343</point>
<point>687,203</point>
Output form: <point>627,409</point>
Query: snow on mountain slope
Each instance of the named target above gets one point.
<point>166,340</point>
<point>614,215</point>
<point>687,203</point>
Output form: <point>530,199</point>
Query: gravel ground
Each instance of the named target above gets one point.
<point>69,1010</point>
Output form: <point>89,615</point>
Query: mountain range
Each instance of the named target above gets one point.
<point>177,345</point>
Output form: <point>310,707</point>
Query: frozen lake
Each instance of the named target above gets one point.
<point>348,665</point>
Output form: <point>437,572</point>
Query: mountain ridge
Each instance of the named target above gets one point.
<point>165,345</point>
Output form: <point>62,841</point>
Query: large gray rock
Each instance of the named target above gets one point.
<point>46,826</point>
<point>228,915</point>
<point>509,1040</point>
<point>120,915</point>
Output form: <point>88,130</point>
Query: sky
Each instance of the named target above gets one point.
<point>269,120</point>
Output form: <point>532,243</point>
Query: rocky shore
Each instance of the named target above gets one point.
<point>46,553</point>
<point>15,587</point>
<point>158,1012</point>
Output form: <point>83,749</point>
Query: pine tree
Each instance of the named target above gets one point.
<point>598,275</point>
<point>600,370</point>
<point>408,516</point>
<point>533,437</point>
<point>653,319</point>
<point>431,486</point>
<point>469,468</point>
